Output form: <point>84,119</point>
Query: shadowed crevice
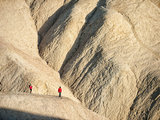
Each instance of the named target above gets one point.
<point>88,30</point>
<point>146,101</point>
<point>47,30</point>
<point>89,66</point>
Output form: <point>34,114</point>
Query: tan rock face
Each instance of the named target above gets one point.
<point>15,16</point>
<point>62,35</point>
<point>20,63</point>
<point>107,53</point>
<point>36,107</point>
<point>42,12</point>
<point>114,52</point>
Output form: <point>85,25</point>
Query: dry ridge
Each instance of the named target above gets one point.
<point>39,107</point>
<point>108,54</point>
<point>104,53</point>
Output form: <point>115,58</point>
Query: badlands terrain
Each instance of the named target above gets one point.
<point>105,54</point>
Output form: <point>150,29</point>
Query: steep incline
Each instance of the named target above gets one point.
<point>62,35</point>
<point>106,51</point>
<point>20,63</point>
<point>14,17</point>
<point>114,55</point>
<point>44,13</point>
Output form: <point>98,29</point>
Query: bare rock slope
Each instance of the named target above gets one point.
<point>20,63</point>
<point>36,107</point>
<point>107,52</point>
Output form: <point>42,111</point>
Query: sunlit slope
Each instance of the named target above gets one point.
<point>106,53</point>
<point>28,106</point>
<point>20,63</point>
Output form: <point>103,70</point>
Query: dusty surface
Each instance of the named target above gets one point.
<point>115,49</point>
<point>35,107</point>
<point>62,35</point>
<point>20,63</point>
<point>106,51</point>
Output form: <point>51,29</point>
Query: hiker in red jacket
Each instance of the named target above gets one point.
<point>30,87</point>
<point>59,90</point>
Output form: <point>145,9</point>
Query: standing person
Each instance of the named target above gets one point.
<point>60,91</point>
<point>30,87</point>
<point>0,86</point>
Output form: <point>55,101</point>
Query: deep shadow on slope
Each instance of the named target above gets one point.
<point>148,98</point>
<point>9,114</point>
<point>85,70</point>
<point>51,22</point>
<point>88,30</point>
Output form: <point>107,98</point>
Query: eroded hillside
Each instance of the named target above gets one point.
<point>106,52</point>
<point>20,63</point>
<point>40,107</point>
